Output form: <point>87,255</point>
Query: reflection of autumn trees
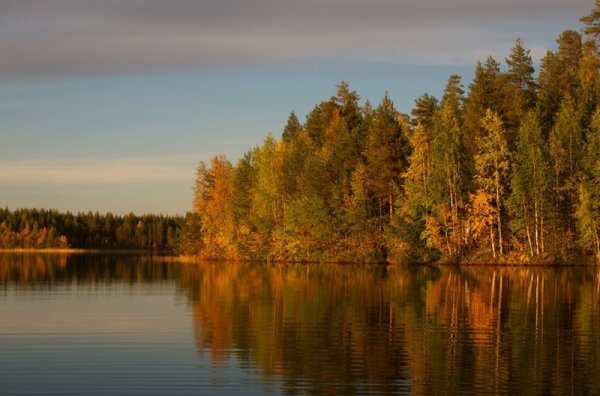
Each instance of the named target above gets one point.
<point>307,325</point>
<point>48,269</point>
<point>353,329</point>
<point>425,329</point>
<point>24,268</point>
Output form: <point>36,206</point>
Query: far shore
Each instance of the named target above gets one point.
<point>77,250</point>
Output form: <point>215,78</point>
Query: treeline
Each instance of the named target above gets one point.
<point>40,228</point>
<point>508,171</point>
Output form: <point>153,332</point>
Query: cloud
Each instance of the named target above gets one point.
<point>65,39</point>
<point>96,171</point>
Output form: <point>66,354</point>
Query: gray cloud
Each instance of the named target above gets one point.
<point>63,39</point>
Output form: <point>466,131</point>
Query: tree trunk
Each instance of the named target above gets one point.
<point>498,206</point>
<point>537,227</point>
<point>597,242</point>
<point>447,237</point>
<point>528,232</point>
<point>542,232</point>
<point>492,238</point>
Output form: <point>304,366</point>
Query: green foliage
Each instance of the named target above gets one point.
<point>424,110</point>
<point>292,127</point>
<point>386,152</point>
<point>519,90</point>
<point>487,91</point>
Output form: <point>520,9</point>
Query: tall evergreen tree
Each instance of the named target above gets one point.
<point>291,128</point>
<point>521,87</point>
<point>347,100</point>
<point>484,93</point>
<point>550,90</point>
<point>454,95</point>
<point>386,152</point>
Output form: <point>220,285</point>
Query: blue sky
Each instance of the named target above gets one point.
<point>109,105</point>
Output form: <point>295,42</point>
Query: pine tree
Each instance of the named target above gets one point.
<point>424,111</point>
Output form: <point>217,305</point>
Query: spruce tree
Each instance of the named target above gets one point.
<point>291,128</point>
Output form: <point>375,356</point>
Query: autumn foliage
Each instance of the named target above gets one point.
<point>504,170</point>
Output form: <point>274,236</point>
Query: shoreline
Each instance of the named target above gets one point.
<point>583,261</point>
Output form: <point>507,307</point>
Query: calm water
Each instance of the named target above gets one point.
<point>93,324</point>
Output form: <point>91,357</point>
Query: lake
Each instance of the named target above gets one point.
<point>130,324</point>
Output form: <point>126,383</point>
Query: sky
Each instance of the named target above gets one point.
<point>109,105</point>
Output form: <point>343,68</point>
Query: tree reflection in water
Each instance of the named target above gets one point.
<point>354,329</point>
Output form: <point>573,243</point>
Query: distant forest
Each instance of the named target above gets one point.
<point>39,229</point>
<point>506,170</point>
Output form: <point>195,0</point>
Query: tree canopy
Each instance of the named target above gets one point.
<point>505,169</point>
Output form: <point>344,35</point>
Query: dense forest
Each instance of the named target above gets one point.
<point>39,228</point>
<point>505,170</point>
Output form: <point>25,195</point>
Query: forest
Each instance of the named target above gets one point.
<point>40,228</point>
<point>506,169</point>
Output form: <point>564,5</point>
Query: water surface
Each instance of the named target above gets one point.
<point>125,324</point>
